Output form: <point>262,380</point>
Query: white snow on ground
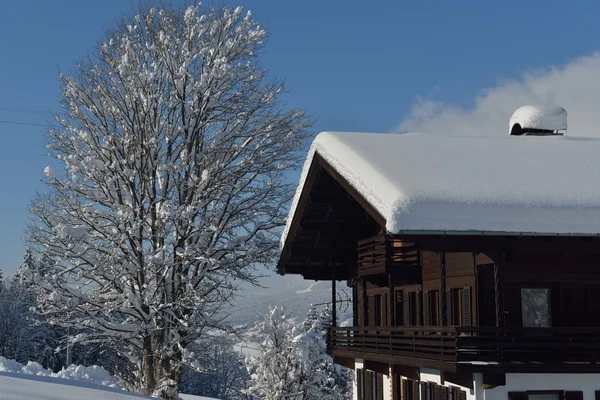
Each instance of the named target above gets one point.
<point>95,375</point>
<point>32,381</point>
<point>18,386</point>
<point>512,184</point>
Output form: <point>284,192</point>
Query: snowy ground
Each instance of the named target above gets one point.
<point>31,381</point>
<point>14,386</point>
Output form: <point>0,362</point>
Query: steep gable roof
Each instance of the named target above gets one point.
<point>422,183</point>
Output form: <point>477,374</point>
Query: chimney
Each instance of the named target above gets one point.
<point>538,121</point>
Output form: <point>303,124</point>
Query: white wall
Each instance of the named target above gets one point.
<point>587,383</point>
<point>358,364</point>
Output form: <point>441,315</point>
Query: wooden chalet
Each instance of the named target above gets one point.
<point>461,290</point>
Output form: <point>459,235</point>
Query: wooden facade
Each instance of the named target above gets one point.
<point>459,304</point>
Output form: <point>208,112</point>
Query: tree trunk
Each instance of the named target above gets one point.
<point>147,376</point>
<point>169,376</point>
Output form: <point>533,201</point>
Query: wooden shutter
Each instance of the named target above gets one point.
<point>462,395</point>
<point>426,308</point>
<point>597,394</point>
<point>571,307</point>
<point>419,303</point>
<point>406,308</point>
<point>437,391</point>
<point>371,313</point>
<point>360,384</point>
<point>455,393</point>
<point>379,386</point>
<point>466,305</point>
<point>415,392</point>
<point>594,305</point>
<point>404,393</point>
<point>449,309</point>
<point>399,308</point>
<point>512,306</point>
<point>424,390</point>
<point>444,393</point>
<point>384,310</point>
<point>574,395</point>
<point>368,385</point>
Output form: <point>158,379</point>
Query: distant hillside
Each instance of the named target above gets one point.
<point>291,291</point>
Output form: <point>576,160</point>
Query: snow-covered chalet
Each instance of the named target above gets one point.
<point>474,261</point>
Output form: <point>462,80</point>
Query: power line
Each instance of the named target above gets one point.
<point>23,123</point>
<point>24,110</point>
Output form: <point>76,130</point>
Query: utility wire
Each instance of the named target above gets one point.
<point>23,123</point>
<point>24,110</point>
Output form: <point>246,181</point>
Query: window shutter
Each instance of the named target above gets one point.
<point>406,307</point>
<point>511,300</point>
<point>359,384</point>
<point>371,314</point>
<point>379,384</point>
<point>437,392</point>
<point>404,390</point>
<point>594,305</point>
<point>419,301</point>
<point>597,394</point>
<point>399,308</point>
<point>444,393</point>
<point>426,304</point>
<point>424,390</point>
<point>449,308</point>
<point>574,395</point>
<point>466,304</point>
<point>455,393</point>
<point>384,310</point>
<point>415,388</point>
<point>517,395</point>
<point>368,385</point>
<point>462,395</point>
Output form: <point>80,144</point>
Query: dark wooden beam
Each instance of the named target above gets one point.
<point>344,361</point>
<point>464,379</point>
<point>325,254</point>
<point>491,380</point>
<point>407,372</point>
<point>377,366</point>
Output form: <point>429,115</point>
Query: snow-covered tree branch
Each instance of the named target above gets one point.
<point>175,147</point>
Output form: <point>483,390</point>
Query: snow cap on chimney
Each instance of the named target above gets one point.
<point>538,121</point>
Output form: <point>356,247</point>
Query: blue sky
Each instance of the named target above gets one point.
<point>358,66</point>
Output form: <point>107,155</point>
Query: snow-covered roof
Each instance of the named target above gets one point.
<point>422,183</point>
<point>539,117</point>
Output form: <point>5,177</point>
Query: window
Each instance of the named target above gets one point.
<point>399,308</point>
<point>369,385</point>
<point>377,310</point>
<point>546,395</point>
<point>535,308</point>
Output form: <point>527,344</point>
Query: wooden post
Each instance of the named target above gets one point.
<point>366,316</point>
<point>442,296</point>
<point>498,290</point>
<point>333,299</point>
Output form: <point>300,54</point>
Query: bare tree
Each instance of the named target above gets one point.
<point>175,146</point>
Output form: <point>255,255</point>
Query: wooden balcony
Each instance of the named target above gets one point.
<point>473,349</point>
<point>382,254</point>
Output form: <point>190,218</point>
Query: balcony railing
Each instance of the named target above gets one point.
<point>473,348</point>
<point>381,254</point>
